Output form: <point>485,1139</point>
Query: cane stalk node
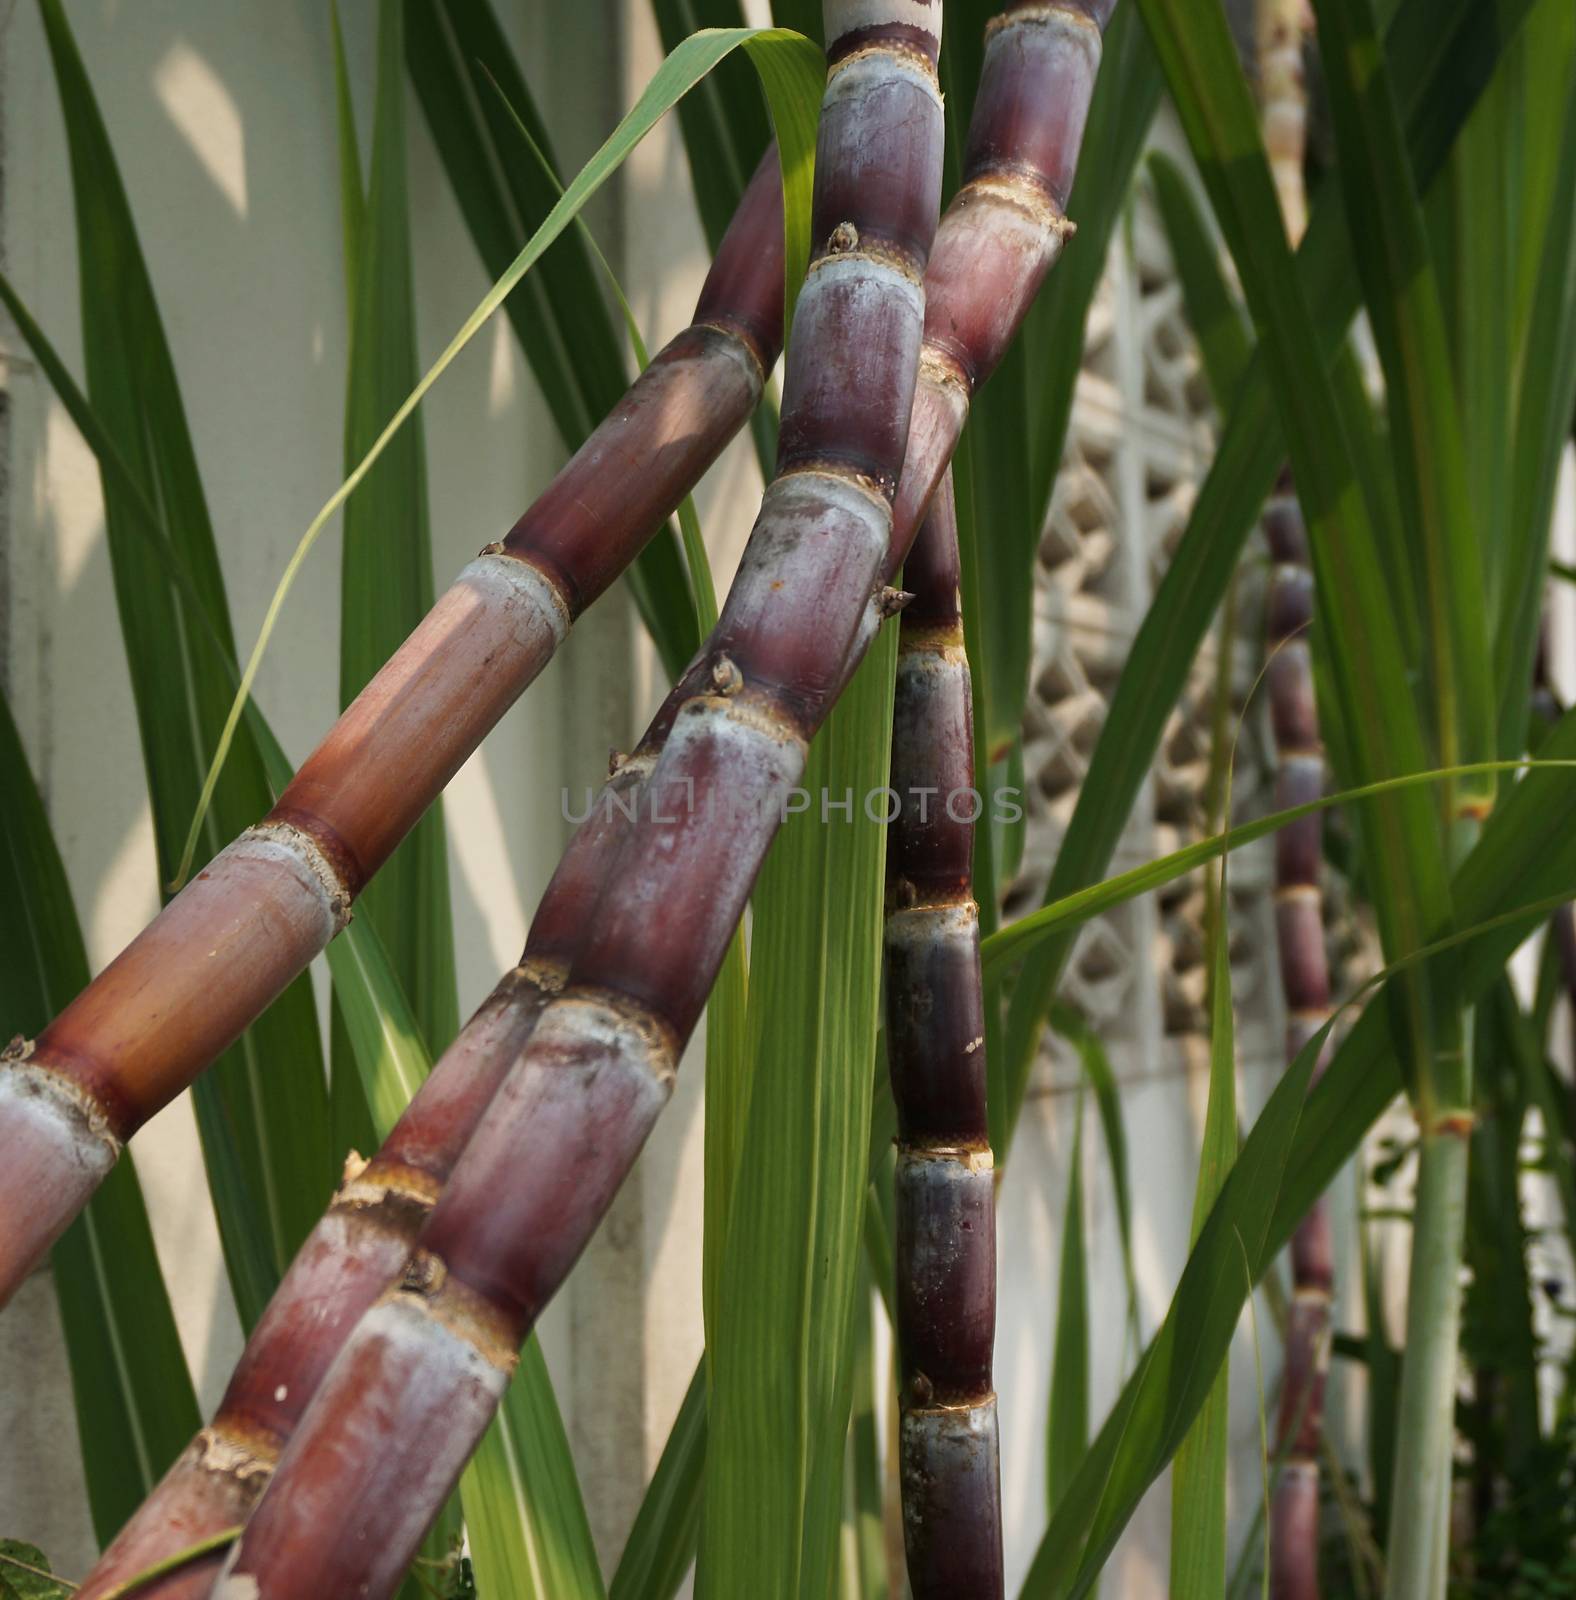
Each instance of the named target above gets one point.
<point>72,1102</point>
<point>1049,13</point>
<point>1022,192</point>
<point>845,236</point>
<point>316,855</point>
<point>399,1193</point>
<point>1453,1124</point>
<point>942,370</point>
<point>429,1290</point>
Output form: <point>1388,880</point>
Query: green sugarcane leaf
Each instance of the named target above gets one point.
<point>1212,309</point>
<point>1497,1318</point>
<point>1021,415</point>
<point>1097,1070</point>
<point>352,194</point>
<point>1405,311</point>
<point>1501,893</point>
<point>1265,1194</point>
<point>135,1406</point>
<point>386,583</point>
<point>1067,1427</point>
<point>524,1515</point>
<point>262,1110</point>
<point>662,1542</point>
<point>1402,842</point>
<point>461,64</point>
<point>790,68</point>
<point>773,1492</point>
<point>727,1058</point>
<point>1545,389</point>
<point>1198,1476</point>
<point>1028,936</point>
<point>724,124</point>
<point>1441,56</point>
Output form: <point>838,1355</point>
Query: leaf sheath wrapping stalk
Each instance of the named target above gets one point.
<point>946,1234</point>
<point>154,1019</point>
<point>418,1380</point>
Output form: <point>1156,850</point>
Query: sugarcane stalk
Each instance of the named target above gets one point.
<point>1280,28</point>
<point>413,1389</point>
<point>1305,984</point>
<point>221,950</point>
<point>946,1234</point>
<point>431,1359</point>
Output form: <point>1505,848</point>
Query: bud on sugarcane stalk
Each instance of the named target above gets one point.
<point>946,1218</point>
<point>216,956</point>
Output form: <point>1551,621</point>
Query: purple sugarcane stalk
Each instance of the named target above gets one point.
<point>1305,981</point>
<point>949,1464</point>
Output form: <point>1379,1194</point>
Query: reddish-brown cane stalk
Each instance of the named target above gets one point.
<point>946,1227</point>
<point>568,1127</point>
<point>356,1252</point>
<point>1305,980</point>
<point>416,1384</point>
<point>257,914</point>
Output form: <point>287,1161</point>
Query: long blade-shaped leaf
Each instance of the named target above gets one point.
<point>1405,853</point>
<point>1402,294</point>
<point>386,583</point>
<point>1212,310</point>
<point>135,1406</point>
<point>774,1462</point>
<point>262,1111</point>
<point>1067,1428</point>
<point>1198,1476</point>
<point>1442,55</point>
<point>1527,850</point>
<point>662,1542</point>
